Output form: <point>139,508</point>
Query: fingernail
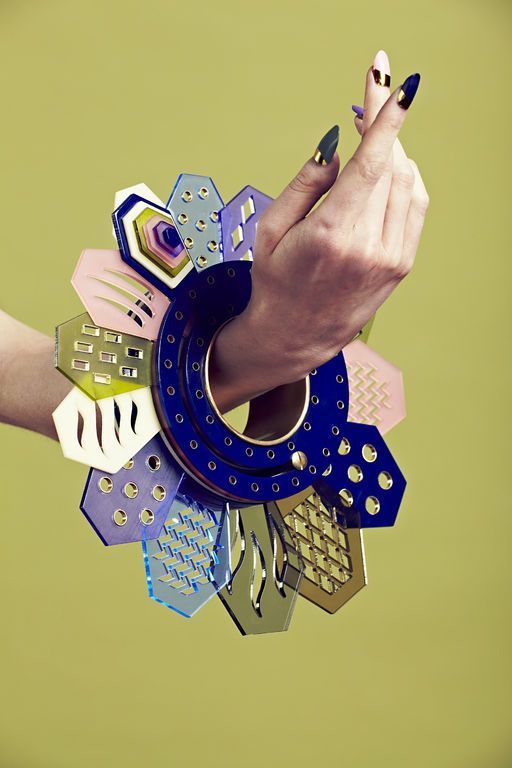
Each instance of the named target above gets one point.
<point>408,90</point>
<point>325,151</point>
<point>381,69</point>
<point>358,110</point>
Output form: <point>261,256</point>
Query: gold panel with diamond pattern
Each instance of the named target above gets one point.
<point>332,556</point>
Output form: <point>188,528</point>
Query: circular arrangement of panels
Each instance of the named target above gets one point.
<point>257,516</point>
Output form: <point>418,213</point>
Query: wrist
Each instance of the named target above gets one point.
<point>244,362</point>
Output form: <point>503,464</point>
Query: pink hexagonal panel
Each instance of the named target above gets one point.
<point>376,388</point>
<point>116,296</point>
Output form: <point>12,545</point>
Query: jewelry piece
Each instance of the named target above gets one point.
<point>257,516</point>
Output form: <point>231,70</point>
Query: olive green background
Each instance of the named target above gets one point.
<point>415,671</point>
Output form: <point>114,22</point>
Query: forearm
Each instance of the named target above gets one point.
<point>30,387</point>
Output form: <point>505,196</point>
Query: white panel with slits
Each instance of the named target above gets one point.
<point>119,441</point>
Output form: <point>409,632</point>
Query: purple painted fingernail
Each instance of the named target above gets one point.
<point>358,110</point>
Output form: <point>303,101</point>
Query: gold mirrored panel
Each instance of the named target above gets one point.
<point>265,572</point>
<point>101,362</point>
<point>332,556</point>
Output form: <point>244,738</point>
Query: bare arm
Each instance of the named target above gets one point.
<point>30,387</point>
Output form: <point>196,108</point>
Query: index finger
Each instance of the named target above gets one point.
<point>359,177</point>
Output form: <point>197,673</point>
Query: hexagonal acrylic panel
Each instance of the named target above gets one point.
<point>99,361</point>
<point>129,220</point>
<point>190,561</point>
<point>332,554</point>
<point>105,433</point>
<point>173,260</point>
<point>132,504</point>
<point>376,388</point>
<point>116,296</point>
<point>195,204</point>
<point>239,219</point>
<point>261,592</point>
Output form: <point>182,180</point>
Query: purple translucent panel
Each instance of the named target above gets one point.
<point>238,223</point>
<point>132,504</point>
<point>168,238</point>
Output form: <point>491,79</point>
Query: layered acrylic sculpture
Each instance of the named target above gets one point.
<point>259,516</point>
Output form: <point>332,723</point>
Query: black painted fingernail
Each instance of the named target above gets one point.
<point>325,151</point>
<point>408,90</point>
<point>358,110</point>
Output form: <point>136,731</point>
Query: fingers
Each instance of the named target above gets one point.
<point>378,79</point>
<point>301,194</point>
<point>354,185</point>
<point>415,219</point>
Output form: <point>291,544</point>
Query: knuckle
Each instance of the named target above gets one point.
<point>422,202</point>
<point>370,169</point>
<point>303,182</point>
<point>402,269</point>
<point>327,242</point>
<point>404,179</point>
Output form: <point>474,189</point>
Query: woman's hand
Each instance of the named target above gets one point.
<point>318,278</point>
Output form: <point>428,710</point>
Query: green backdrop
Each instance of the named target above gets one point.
<point>415,671</point>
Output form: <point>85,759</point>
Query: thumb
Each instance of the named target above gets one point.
<point>313,180</point>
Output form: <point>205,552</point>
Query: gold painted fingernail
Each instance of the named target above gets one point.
<point>381,69</point>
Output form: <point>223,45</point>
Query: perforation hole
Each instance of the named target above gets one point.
<point>199,394</point>
<point>335,431</point>
<point>249,451</point>
<point>344,446</point>
<point>195,366</point>
<point>372,505</point>
<point>212,465</point>
<point>170,390</point>
<point>193,444</point>
<point>346,497</point>
<point>270,454</point>
<point>307,426</point>
<point>255,486</point>
<point>168,363</point>
<point>291,446</point>
<point>232,479</point>
<point>120,517</point>
<point>315,400</point>
<point>170,338</point>
<point>385,480</point>
<point>295,481</point>
<point>340,404</point>
<point>154,462</point>
<point>228,441</point>
<point>129,464</point>
<point>275,487</point>
<point>105,484</point>
<point>209,419</point>
<point>130,490</point>
<point>179,418</point>
<point>146,517</point>
<point>355,473</point>
<point>159,493</point>
<point>326,452</point>
<point>369,452</point>
<point>178,315</point>
<point>312,469</point>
